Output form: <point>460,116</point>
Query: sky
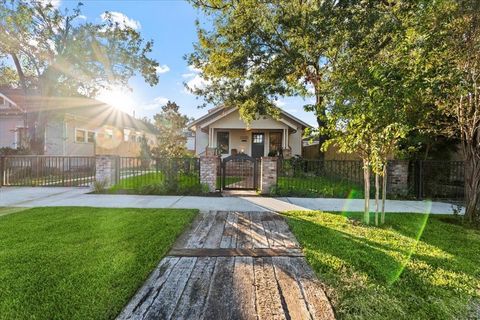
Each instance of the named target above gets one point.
<point>171,25</point>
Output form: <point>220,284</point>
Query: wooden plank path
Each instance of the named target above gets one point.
<point>232,265</point>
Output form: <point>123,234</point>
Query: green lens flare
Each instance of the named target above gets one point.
<point>411,251</point>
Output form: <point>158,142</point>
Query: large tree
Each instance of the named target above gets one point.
<point>58,53</point>
<point>258,51</point>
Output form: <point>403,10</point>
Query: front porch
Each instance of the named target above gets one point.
<point>255,142</point>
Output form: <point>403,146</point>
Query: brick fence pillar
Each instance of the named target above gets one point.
<point>208,171</point>
<point>107,169</point>
<point>268,174</point>
<point>397,177</point>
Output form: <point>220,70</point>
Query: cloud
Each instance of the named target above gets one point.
<point>82,17</point>
<point>121,20</point>
<point>162,69</point>
<point>54,3</point>
<point>156,103</point>
<point>280,103</point>
<point>194,80</point>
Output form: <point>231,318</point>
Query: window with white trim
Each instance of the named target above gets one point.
<point>80,135</point>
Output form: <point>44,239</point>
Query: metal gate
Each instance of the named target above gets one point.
<point>240,172</point>
<point>47,171</point>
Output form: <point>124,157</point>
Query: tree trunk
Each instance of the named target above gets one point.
<point>366,190</point>
<point>21,75</point>
<point>377,194</point>
<point>384,192</point>
<point>472,183</point>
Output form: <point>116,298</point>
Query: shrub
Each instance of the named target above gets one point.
<point>100,186</point>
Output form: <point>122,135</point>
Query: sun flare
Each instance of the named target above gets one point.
<point>121,99</point>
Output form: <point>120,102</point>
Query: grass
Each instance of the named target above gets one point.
<point>137,182</point>
<point>317,187</point>
<point>79,262</point>
<point>385,273</point>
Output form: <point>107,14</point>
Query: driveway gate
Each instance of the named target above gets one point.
<point>240,172</point>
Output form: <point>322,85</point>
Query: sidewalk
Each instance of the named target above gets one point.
<point>57,196</point>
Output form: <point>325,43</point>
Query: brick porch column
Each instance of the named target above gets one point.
<point>107,168</point>
<point>268,174</point>
<point>208,171</point>
<point>397,177</point>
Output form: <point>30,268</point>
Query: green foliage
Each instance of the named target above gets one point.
<point>171,125</point>
<point>316,187</point>
<point>414,267</point>
<point>57,53</point>
<point>99,186</point>
<point>257,51</point>
<point>81,263</point>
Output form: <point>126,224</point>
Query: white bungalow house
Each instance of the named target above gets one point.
<point>222,130</point>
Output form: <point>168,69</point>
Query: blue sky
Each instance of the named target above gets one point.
<point>171,25</point>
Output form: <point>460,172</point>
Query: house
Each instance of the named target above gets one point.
<point>222,131</point>
<point>74,126</point>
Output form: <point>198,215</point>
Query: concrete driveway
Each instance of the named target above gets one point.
<point>78,196</point>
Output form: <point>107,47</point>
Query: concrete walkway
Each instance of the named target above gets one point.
<point>57,196</point>
<point>232,265</point>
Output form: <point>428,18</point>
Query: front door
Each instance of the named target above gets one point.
<point>258,145</point>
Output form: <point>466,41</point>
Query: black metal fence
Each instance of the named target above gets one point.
<point>159,175</point>
<point>428,179</point>
<point>319,178</point>
<point>431,179</point>
<point>47,171</point>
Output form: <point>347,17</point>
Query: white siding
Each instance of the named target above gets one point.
<point>8,125</point>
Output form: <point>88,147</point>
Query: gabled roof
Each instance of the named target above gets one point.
<point>220,112</point>
<point>99,112</point>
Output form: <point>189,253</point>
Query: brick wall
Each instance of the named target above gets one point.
<point>107,169</point>
<point>268,174</point>
<point>208,171</point>
<point>397,177</point>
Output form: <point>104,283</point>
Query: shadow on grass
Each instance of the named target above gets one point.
<point>384,272</point>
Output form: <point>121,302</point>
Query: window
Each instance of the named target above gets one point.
<point>80,135</point>
<point>108,133</point>
<point>126,135</point>
<point>91,136</point>
<point>275,142</point>
<point>223,142</point>
<point>257,138</point>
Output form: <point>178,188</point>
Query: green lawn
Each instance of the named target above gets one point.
<point>79,262</point>
<point>317,187</point>
<point>385,273</point>
<point>135,183</point>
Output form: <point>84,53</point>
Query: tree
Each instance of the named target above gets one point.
<point>171,125</point>
<point>56,53</point>
<point>258,51</point>
<point>145,151</point>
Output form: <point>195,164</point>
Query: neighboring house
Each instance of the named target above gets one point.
<point>224,131</point>
<point>12,123</point>
<point>74,126</point>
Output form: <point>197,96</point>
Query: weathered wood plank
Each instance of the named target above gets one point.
<point>317,301</point>
<point>166,301</point>
<point>244,288</point>
<point>290,288</point>
<point>274,239</point>
<point>284,232</point>
<point>268,299</point>
<point>182,241</point>
<point>192,301</point>
<point>236,252</point>
<point>244,239</point>
<point>147,294</point>
<point>229,237</point>
<point>220,298</point>
<point>214,236</point>
<point>259,237</point>
<point>198,236</point>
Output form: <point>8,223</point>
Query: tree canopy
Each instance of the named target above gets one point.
<point>57,52</point>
